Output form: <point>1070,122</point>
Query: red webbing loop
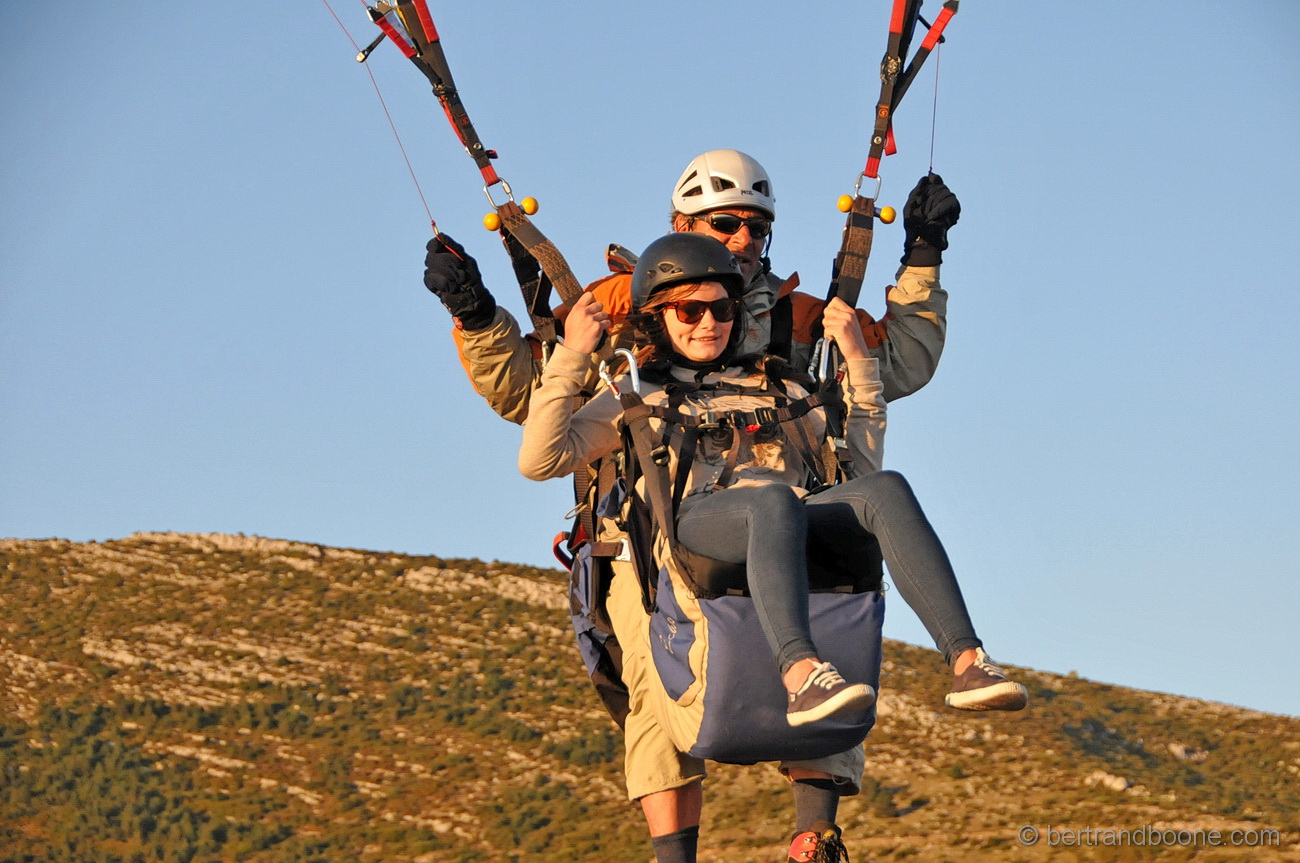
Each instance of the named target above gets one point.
<point>426,20</point>
<point>896,18</point>
<point>391,32</point>
<point>936,29</point>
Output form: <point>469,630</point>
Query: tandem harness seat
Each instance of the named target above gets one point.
<point>717,692</point>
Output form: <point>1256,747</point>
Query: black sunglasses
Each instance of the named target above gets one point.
<point>692,311</point>
<point>726,223</point>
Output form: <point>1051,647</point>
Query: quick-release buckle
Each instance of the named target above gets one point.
<point>766,417</point>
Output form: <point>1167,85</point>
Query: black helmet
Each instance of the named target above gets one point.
<point>684,257</point>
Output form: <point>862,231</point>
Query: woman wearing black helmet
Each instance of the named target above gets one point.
<point>686,296</point>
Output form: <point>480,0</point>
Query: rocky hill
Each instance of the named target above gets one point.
<point>228,698</point>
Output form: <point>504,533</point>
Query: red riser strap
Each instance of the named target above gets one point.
<point>936,29</point>
<point>426,20</point>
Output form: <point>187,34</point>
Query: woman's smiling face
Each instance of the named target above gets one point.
<point>707,338</point>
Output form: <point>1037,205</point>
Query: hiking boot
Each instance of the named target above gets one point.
<point>984,686</point>
<point>825,693</point>
<point>819,844</point>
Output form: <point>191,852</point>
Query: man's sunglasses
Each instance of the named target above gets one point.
<point>692,311</point>
<point>726,223</point>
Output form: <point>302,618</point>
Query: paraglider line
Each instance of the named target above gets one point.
<point>934,105</point>
<point>389,116</point>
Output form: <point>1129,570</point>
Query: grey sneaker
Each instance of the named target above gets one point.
<point>984,686</point>
<point>818,844</point>
<point>824,694</point>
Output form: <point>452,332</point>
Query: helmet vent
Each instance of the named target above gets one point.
<point>720,184</point>
<point>763,187</point>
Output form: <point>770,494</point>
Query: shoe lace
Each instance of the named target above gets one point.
<point>824,676</point>
<point>825,848</point>
<point>985,663</point>
<point>830,850</point>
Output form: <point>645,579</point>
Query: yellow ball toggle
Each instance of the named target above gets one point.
<point>845,203</point>
<point>528,205</point>
<point>887,215</point>
<point>492,222</point>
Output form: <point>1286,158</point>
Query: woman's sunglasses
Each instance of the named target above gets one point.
<point>726,223</point>
<point>692,311</point>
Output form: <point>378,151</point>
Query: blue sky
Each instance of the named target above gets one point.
<point>212,318</point>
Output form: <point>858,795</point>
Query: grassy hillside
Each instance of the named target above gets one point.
<point>185,697</point>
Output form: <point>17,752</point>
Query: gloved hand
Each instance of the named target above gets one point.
<point>931,209</point>
<point>453,276</point>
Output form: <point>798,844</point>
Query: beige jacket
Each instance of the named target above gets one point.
<point>558,441</point>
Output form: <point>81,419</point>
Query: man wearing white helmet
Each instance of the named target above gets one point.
<point>727,195</point>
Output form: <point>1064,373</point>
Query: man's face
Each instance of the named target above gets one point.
<point>746,244</point>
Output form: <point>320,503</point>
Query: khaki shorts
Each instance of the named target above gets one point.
<point>651,761</point>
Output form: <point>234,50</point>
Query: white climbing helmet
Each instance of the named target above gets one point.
<point>723,178</point>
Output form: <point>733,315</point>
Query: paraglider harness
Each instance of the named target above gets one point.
<point>647,459</point>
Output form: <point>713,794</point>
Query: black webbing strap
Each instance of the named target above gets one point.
<point>549,257</point>
<point>849,271</point>
<point>432,62</point>
<point>637,432</point>
<point>636,416</point>
<point>535,285</point>
<point>685,459</point>
<point>901,23</point>
<point>802,441</point>
<point>739,435</point>
<point>782,327</point>
<point>932,37</point>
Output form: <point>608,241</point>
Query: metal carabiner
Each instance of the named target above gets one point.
<point>632,372</point>
<point>505,187</point>
<point>823,369</point>
<point>815,360</point>
<point>857,187</point>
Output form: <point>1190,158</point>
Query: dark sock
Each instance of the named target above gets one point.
<point>676,847</point>
<point>814,800</point>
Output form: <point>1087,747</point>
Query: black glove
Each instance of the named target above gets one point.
<point>453,275</point>
<point>930,211</point>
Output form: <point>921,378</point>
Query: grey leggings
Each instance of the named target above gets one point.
<point>767,527</point>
